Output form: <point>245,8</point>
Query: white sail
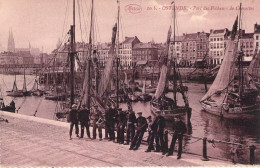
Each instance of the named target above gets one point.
<point>224,76</point>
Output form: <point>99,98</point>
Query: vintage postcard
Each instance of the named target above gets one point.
<point>129,83</point>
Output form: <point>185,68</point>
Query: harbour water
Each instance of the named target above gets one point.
<point>202,123</point>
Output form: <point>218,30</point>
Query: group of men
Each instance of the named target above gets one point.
<point>135,127</point>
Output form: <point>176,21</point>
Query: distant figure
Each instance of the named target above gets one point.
<point>179,129</point>
<point>73,117</point>
<point>121,126</point>
<point>131,120</point>
<point>159,133</point>
<point>140,129</point>
<point>110,122</point>
<point>12,105</point>
<point>84,120</point>
<point>151,131</point>
<point>97,123</point>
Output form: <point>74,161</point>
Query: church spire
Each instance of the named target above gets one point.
<point>11,45</point>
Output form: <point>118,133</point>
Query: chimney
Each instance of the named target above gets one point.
<point>211,30</point>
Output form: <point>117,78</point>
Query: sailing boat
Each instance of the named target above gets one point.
<point>160,102</point>
<point>230,96</point>
<point>24,91</point>
<point>15,92</point>
<point>35,89</point>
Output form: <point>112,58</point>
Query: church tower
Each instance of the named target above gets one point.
<point>11,45</point>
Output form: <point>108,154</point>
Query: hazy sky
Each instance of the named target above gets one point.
<point>41,22</point>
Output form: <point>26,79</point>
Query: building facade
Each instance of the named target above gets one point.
<point>256,37</point>
<point>175,48</point>
<point>217,45</point>
<point>125,51</point>
<point>246,43</point>
<point>145,52</point>
<point>194,46</point>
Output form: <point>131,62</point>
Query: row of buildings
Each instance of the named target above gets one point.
<point>187,49</point>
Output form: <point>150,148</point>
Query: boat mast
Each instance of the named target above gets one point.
<point>174,61</point>
<point>117,56</point>
<point>240,59</point>
<point>72,59</point>
<point>90,53</point>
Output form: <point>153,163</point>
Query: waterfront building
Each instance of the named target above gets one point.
<point>256,36</point>
<point>175,48</point>
<point>103,53</point>
<point>194,46</point>
<point>146,53</point>
<point>125,51</point>
<point>217,45</point>
<point>246,43</point>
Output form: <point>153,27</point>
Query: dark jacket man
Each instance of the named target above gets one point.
<point>84,120</point>
<point>179,129</point>
<point>141,126</point>
<point>121,126</point>
<point>73,118</point>
<point>159,130</point>
<point>110,118</point>
<point>131,120</point>
<point>98,122</point>
<point>151,134</point>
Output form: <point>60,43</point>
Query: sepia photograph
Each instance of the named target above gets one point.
<point>129,83</point>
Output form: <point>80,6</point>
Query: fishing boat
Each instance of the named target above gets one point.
<point>15,92</point>
<point>24,90</point>
<point>35,91</point>
<point>230,96</point>
<point>160,102</point>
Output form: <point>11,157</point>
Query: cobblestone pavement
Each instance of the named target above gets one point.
<point>31,141</point>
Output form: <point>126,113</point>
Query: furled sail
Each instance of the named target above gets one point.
<point>164,70</point>
<point>15,89</point>
<point>143,89</point>
<point>103,85</point>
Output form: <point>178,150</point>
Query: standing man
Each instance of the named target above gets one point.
<point>73,118</point>
<point>131,120</point>
<point>141,126</point>
<point>179,129</point>
<point>97,123</point>
<point>121,126</point>
<point>112,113</point>
<point>84,120</point>
<point>159,132</point>
<point>151,131</point>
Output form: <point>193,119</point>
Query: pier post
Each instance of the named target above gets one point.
<point>252,154</point>
<point>204,150</point>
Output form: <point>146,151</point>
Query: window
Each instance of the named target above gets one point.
<point>257,44</point>
<point>256,37</point>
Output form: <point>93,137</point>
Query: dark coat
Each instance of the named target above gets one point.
<point>159,124</point>
<point>110,115</point>
<point>141,124</point>
<point>131,118</point>
<point>179,127</point>
<point>83,115</point>
<point>73,116</point>
<point>121,118</point>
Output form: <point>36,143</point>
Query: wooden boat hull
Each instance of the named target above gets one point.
<point>8,109</point>
<point>247,112</point>
<point>181,111</point>
<point>15,94</point>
